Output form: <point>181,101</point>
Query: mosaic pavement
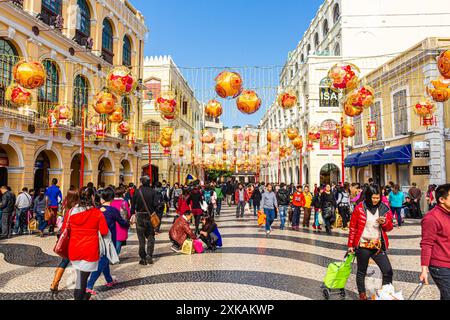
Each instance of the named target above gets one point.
<point>287,265</point>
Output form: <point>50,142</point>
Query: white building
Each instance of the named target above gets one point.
<point>366,33</point>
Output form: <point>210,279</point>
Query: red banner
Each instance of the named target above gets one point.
<point>329,135</point>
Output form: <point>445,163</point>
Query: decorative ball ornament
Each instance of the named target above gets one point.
<point>441,92</point>
<point>207,137</point>
<point>167,104</point>
<point>424,108</point>
<point>344,76</point>
<point>124,128</point>
<point>352,107</point>
<point>116,116</point>
<point>121,81</point>
<point>229,84</point>
<point>105,102</point>
<point>348,130</point>
<point>17,95</point>
<point>287,99</point>
<point>444,64</point>
<point>298,143</point>
<point>214,109</point>
<point>248,102</point>
<point>30,75</point>
<point>292,133</point>
<point>362,97</point>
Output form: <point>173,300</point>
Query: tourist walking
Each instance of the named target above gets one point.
<point>7,207</point>
<point>269,204</point>
<point>396,200</point>
<point>256,199</point>
<point>431,197</point>
<point>40,204</point>
<point>435,244</point>
<point>316,204</point>
<point>416,195</point>
<point>142,208</point>
<point>85,223</point>
<point>230,193</point>
<point>328,208</point>
<point>23,205</point>
<point>298,201</point>
<point>307,202</point>
<point>195,205</point>
<point>343,203</point>
<point>122,206</point>
<point>283,199</point>
<point>241,198</point>
<point>220,196</point>
<point>368,238</point>
<point>54,198</point>
<point>175,194</point>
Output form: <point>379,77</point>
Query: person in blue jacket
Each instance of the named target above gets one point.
<point>53,199</point>
<point>396,200</point>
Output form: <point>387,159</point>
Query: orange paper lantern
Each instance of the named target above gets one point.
<point>248,102</point>
<point>121,81</point>
<point>444,64</point>
<point>298,143</point>
<point>17,95</point>
<point>287,99</point>
<point>124,128</point>
<point>292,133</point>
<point>348,131</point>
<point>229,84</point>
<point>117,115</point>
<point>424,108</point>
<point>105,102</point>
<point>30,75</point>
<point>441,92</point>
<point>344,76</point>
<point>214,109</point>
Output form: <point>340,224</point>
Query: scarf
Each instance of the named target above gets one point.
<point>371,207</point>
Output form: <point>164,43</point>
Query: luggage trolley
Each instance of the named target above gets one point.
<point>337,277</point>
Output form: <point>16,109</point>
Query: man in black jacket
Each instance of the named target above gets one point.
<point>283,199</point>
<point>7,207</point>
<point>144,227</point>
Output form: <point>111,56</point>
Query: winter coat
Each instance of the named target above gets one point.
<point>8,202</point>
<point>194,201</point>
<point>283,197</point>
<point>180,231</point>
<point>256,197</point>
<point>121,231</point>
<point>359,220</point>
<point>246,196</point>
<point>84,229</point>
<point>182,205</point>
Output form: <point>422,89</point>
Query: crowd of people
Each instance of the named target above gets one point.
<point>99,220</point>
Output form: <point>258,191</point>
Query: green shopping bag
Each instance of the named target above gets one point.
<point>339,272</point>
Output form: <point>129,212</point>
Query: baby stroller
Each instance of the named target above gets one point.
<point>337,277</point>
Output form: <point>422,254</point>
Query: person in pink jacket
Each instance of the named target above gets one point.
<point>122,205</point>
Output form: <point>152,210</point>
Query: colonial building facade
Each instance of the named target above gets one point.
<point>364,33</point>
<point>162,76</point>
<point>78,42</point>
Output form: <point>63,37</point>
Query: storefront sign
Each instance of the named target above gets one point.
<point>421,145</point>
<point>422,154</point>
<point>328,97</point>
<point>329,135</point>
<point>421,171</point>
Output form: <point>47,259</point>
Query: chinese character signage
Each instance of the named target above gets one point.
<point>329,135</point>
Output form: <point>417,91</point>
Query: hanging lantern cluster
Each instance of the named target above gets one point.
<point>287,99</point>
<point>348,130</point>
<point>248,102</point>
<point>425,110</point>
<point>214,109</point>
<point>229,85</point>
<point>121,81</point>
<point>292,133</point>
<point>344,76</point>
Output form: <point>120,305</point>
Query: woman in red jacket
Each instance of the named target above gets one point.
<point>85,222</point>
<point>370,222</point>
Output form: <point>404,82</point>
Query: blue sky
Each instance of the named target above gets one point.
<point>233,33</point>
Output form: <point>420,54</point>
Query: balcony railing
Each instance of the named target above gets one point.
<point>83,40</point>
<point>52,19</point>
<point>18,3</point>
<point>107,55</point>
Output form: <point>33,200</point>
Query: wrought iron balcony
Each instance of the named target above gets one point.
<point>18,3</point>
<point>83,40</point>
<point>51,18</point>
<point>107,55</point>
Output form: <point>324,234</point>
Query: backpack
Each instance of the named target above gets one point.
<point>207,195</point>
<point>159,200</point>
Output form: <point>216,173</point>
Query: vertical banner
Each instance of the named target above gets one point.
<point>372,130</point>
<point>329,135</point>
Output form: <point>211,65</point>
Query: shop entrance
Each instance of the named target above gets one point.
<point>155,173</point>
<point>4,163</point>
<point>329,174</point>
<point>378,175</point>
<point>41,174</point>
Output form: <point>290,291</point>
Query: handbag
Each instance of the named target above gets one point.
<point>154,219</point>
<point>62,245</point>
<point>33,225</point>
<point>48,214</point>
<point>320,219</point>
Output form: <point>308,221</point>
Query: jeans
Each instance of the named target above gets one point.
<point>363,255</point>
<point>21,221</point>
<point>64,263</point>
<point>80,286</point>
<point>296,217</point>
<point>103,267</point>
<point>42,223</point>
<point>241,207</point>
<point>398,214</point>
<point>283,212</point>
<point>119,246</point>
<point>6,224</point>
<point>256,208</point>
<point>441,277</point>
<point>344,212</point>
<point>197,219</point>
<point>219,206</point>
<point>306,216</point>
<point>270,217</point>
<point>250,203</point>
<point>145,232</point>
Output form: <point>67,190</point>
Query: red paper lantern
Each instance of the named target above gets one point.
<point>344,76</point>
<point>17,95</point>
<point>121,81</point>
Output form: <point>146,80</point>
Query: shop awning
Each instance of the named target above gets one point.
<point>352,160</point>
<point>401,155</point>
<point>370,158</point>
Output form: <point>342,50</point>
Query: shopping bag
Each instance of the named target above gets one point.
<point>204,206</point>
<point>33,225</point>
<point>261,218</point>
<point>338,223</point>
<point>339,272</point>
<point>247,209</point>
<point>387,292</point>
<point>187,247</point>
<point>198,246</point>
<point>320,219</point>
<point>48,214</point>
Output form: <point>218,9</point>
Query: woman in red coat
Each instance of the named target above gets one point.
<point>85,222</point>
<point>370,222</point>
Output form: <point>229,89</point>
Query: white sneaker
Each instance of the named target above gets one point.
<point>267,233</point>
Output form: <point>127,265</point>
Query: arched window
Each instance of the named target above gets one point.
<point>107,41</point>
<point>336,13</point>
<point>8,58</point>
<point>337,50</point>
<point>302,59</point>
<point>50,10</point>
<point>49,93</point>
<point>126,105</point>
<point>316,41</point>
<point>126,60</point>
<point>80,98</point>
<point>84,26</point>
<point>296,67</point>
<point>325,28</point>
<point>308,50</point>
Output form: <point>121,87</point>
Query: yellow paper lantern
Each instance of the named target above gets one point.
<point>121,81</point>
<point>214,109</point>
<point>440,92</point>
<point>248,102</point>
<point>292,133</point>
<point>30,75</point>
<point>287,99</point>
<point>124,128</point>
<point>117,115</point>
<point>229,84</point>
<point>348,130</point>
<point>298,143</point>
<point>105,102</point>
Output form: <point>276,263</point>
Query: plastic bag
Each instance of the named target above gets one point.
<point>188,247</point>
<point>198,246</point>
<point>320,218</point>
<point>261,218</point>
<point>387,292</point>
<point>247,209</point>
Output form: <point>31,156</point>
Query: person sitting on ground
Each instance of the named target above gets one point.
<point>207,234</point>
<point>180,231</point>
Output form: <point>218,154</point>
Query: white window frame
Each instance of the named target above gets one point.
<point>381,116</point>
<point>408,111</point>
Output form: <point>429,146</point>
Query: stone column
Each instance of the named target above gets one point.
<point>29,149</point>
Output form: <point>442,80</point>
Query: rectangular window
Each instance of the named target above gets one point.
<point>400,113</point>
<point>375,115</point>
<point>155,131</point>
<point>185,107</point>
<point>358,130</point>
